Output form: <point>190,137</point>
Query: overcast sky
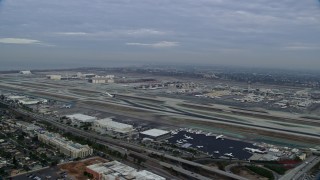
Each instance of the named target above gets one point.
<point>76,33</point>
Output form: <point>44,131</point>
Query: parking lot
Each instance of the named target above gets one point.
<point>48,173</point>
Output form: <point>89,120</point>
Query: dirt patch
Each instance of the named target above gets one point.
<point>76,169</point>
<point>246,173</point>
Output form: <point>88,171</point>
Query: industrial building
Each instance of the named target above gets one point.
<point>26,100</point>
<point>155,134</point>
<point>81,119</point>
<point>102,79</point>
<point>25,72</point>
<point>117,170</point>
<point>74,150</point>
<point>107,126</point>
<point>54,77</point>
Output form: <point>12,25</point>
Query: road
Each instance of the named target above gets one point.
<point>303,168</point>
<point>230,166</point>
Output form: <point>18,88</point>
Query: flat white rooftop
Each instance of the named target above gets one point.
<point>82,117</point>
<point>117,170</point>
<point>146,175</point>
<point>16,97</point>
<point>113,124</point>
<point>154,132</point>
<point>116,126</point>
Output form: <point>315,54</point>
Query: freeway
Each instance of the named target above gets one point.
<point>230,166</point>
<point>183,171</point>
<point>303,168</point>
<point>132,148</point>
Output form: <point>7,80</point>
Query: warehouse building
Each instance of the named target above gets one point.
<point>81,119</point>
<point>26,100</point>
<point>117,170</point>
<point>155,134</point>
<point>25,72</point>
<point>102,79</point>
<point>74,150</point>
<point>54,77</point>
<point>108,126</point>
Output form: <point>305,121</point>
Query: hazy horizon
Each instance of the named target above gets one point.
<point>37,34</point>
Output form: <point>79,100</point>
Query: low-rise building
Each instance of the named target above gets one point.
<point>117,170</point>
<point>69,148</point>
<point>107,125</point>
<point>54,77</point>
<point>155,134</point>
<point>25,72</point>
<point>28,127</point>
<point>81,119</point>
<point>102,79</point>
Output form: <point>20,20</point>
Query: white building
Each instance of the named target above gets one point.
<point>155,134</point>
<point>116,170</point>
<point>90,75</point>
<point>25,72</point>
<point>74,150</point>
<point>16,97</point>
<point>80,119</point>
<point>102,79</point>
<point>29,101</point>
<point>107,125</point>
<point>54,77</point>
<point>26,100</point>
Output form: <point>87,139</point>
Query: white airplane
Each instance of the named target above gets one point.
<point>199,95</point>
<point>254,150</point>
<point>216,152</point>
<point>174,133</point>
<point>228,154</point>
<point>219,137</point>
<point>199,146</point>
<point>110,95</point>
<point>187,137</point>
<point>179,142</point>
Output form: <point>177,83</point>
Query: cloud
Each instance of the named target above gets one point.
<point>18,41</point>
<point>138,32</point>
<point>161,44</point>
<point>23,41</point>
<point>116,33</point>
<point>72,33</point>
<point>301,46</point>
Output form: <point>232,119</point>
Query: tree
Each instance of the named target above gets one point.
<point>54,163</point>
<point>125,156</point>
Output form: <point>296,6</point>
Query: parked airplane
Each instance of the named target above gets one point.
<point>187,137</point>
<point>228,154</point>
<point>219,137</point>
